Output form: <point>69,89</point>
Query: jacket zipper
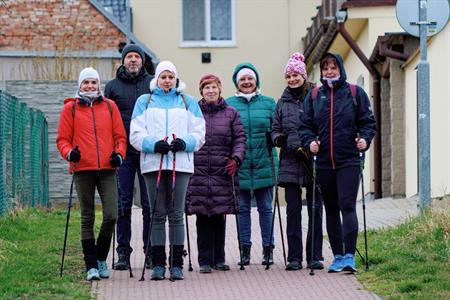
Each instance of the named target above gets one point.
<point>96,138</point>
<point>209,167</point>
<point>250,144</point>
<point>331,129</point>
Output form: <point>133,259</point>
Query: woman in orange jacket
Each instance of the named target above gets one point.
<point>92,138</point>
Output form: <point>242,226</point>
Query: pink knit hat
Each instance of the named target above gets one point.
<point>296,64</point>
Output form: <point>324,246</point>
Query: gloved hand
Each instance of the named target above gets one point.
<point>301,154</point>
<point>177,145</point>
<point>269,140</point>
<point>74,155</point>
<point>162,147</point>
<point>232,165</point>
<point>115,159</point>
<point>280,141</point>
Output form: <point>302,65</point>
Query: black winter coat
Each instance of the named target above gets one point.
<point>286,122</point>
<point>337,120</point>
<point>124,91</point>
<point>210,187</point>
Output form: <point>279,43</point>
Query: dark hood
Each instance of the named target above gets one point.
<point>124,75</point>
<point>340,63</point>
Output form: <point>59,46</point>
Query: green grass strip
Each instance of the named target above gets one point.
<point>410,261</point>
<point>30,254</point>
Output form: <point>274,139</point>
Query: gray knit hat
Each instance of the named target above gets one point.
<point>133,48</point>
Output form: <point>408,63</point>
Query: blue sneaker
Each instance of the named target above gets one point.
<point>349,262</point>
<point>158,273</point>
<point>176,273</point>
<point>103,269</point>
<point>92,274</point>
<point>337,265</point>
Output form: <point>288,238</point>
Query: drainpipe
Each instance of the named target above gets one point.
<point>376,98</point>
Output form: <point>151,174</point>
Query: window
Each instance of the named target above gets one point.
<point>208,23</point>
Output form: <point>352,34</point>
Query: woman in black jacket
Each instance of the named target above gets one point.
<point>294,172</point>
<point>337,124</point>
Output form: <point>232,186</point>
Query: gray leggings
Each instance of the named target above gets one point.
<point>85,183</point>
<point>164,208</point>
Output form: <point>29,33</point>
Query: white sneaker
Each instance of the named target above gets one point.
<point>92,274</point>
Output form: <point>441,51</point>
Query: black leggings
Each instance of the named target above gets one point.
<point>340,189</point>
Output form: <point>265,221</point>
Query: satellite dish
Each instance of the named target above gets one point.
<point>438,12</point>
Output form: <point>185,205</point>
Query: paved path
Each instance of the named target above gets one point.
<point>254,282</point>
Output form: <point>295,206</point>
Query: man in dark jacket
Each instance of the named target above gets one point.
<point>132,80</point>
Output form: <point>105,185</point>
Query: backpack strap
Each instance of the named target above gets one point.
<point>353,93</point>
<point>182,96</point>
<point>74,104</point>
<point>184,100</point>
<point>315,92</point>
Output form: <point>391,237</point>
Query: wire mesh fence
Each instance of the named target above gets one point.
<point>23,155</point>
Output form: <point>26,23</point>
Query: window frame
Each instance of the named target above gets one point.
<point>208,42</point>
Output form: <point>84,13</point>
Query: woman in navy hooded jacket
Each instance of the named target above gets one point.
<point>337,126</point>
<point>210,192</point>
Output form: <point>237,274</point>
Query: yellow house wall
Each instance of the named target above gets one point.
<point>266,34</point>
<point>439,60</point>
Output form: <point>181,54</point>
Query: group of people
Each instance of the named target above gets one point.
<point>215,157</point>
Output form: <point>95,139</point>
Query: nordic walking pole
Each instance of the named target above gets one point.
<point>361,169</point>
<point>69,206</point>
<point>311,272</point>
<point>276,206</point>
<point>190,269</point>
<point>237,226</point>
<point>174,176</point>
<point>158,180</point>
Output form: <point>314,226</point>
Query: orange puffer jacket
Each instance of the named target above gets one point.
<point>97,129</point>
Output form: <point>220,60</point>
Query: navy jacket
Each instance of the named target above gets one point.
<point>210,187</point>
<point>286,122</point>
<point>124,91</point>
<point>336,120</point>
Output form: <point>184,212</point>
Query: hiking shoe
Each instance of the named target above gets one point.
<point>315,264</point>
<point>349,263</point>
<point>124,261</point>
<point>294,266</point>
<point>205,269</point>
<point>158,273</point>
<point>222,267</point>
<point>103,269</point>
<point>245,255</point>
<point>92,274</point>
<point>267,256</point>
<point>148,262</point>
<point>337,265</point>
<point>176,273</point>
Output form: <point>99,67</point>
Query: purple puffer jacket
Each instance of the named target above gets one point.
<point>210,189</point>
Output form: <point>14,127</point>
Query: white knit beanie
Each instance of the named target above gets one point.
<point>165,66</point>
<point>88,73</point>
<point>245,71</point>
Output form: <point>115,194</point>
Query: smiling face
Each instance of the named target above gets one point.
<point>166,80</point>
<point>294,80</point>
<point>211,92</point>
<point>89,85</point>
<point>132,62</point>
<point>330,69</point>
<point>247,84</point>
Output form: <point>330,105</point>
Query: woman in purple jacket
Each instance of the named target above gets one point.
<point>210,192</point>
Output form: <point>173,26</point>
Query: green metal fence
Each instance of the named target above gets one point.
<point>23,155</point>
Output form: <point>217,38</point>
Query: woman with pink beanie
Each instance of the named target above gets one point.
<point>295,168</point>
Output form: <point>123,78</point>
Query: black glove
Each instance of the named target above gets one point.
<point>162,147</point>
<point>301,154</point>
<point>178,145</point>
<point>115,159</point>
<point>280,141</point>
<point>74,155</point>
<point>269,140</point>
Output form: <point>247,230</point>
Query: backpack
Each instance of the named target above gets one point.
<point>315,92</point>
<point>182,96</point>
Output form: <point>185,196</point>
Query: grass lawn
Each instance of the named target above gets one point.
<point>31,242</point>
<point>410,261</point>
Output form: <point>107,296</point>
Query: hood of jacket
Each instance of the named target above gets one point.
<point>242,66</point>
<point>343,75</point>
<point>209,107</point>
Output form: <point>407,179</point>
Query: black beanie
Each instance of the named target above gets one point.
<point>133,48</point>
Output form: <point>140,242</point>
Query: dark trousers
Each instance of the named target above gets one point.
<point>340,189</point>
<point>127,173</point>
<point>211,239</point>
<point>293,194</point>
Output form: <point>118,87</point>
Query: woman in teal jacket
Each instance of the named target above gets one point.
<point>255,173</point>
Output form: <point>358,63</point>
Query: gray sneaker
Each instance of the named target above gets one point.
<point>176,273</point>
<point>158,273</point>
<point>103,269</point>
<point>92,274</point>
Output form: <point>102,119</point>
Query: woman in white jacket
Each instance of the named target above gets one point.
<point>166,123</point>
